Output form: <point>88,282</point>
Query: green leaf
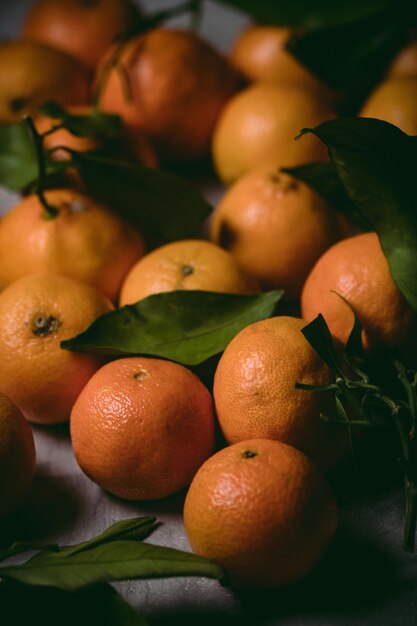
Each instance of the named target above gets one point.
<point>97,604</point>
<point>92,124</point>
<point>18,166</point>
<point>346,44</point>
<point>354,345</point>
<point>323,178</point>
<point>319,337</point>
<point>118,560</point>
<point>307,13</point>
<point>137,528</point>
<point>184,326</point>
<point>164,206</point>
<point>353,55</point>
<point>376,163</point>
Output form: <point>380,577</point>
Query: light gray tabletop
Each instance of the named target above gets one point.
<point>364,580</point>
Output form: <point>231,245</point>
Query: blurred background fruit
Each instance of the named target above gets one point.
<point>171,85</point>
<point>37,312</point>
<point>394,101</point>
<point>17,456</point>
<point>84,29</point>
<point>84,240</point>
<point>262,510</point>
<point>152,425</point>
<point>259,54</point>
<point>276,227</point>
<point>356,268</point>
<point>260,124</point>
<point>255,394</point>
<point>188,264</point>
<point>32,73</point>
<point>405,63</point>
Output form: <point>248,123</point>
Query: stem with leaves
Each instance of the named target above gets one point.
<point>49,211</point>
<point>354,390</point>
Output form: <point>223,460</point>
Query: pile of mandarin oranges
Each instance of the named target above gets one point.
<point>252,450</point>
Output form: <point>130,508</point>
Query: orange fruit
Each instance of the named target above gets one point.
<point>36,313</point>
<point>405,62</point>
<point>394,101</point>
<point>255,395</point>
<point>260,124</point>
<point>152,425</point>
<point>17,456</point>
<point>259,54</point>
<point>32,74</point>
<point>189,264</point>
<point>262,510</point>
<point>83,29</point>
<point>84,240</point>
<point>357,269</point>
<point>276,227</point>
<point>171,85</point>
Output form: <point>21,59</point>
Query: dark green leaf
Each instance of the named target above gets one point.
<point>376,163</point>
<point>164,206</point>
<point>354,346</point>
<point>117,560</point>
<point>18,166</point>
<point>323,178</point>
<point>137,528</point>
<point>352,56</point>
<point>319,337</point>
<point>48,606</point>
<point>93,124</point>
<point>307,13</point>
<point>347,44</point>
<point>185,326</point>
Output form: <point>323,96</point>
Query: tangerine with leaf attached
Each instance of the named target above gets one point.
<point>256,397</point>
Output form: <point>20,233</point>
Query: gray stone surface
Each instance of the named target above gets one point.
<point>364,580</point>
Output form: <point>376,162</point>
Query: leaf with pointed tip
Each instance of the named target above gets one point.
<point>319,337</point>
<point>185,326</point>
<point>117,560</point>
<point>354,345</point>
<point>137,528</point>
<point>376,164</point>
<point>323,178</point>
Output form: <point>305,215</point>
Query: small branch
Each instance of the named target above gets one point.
<point>52,130</point>
<point>49,210</point>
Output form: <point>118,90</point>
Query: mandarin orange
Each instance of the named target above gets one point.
<point>262,510</point>
<point>152,425</point>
